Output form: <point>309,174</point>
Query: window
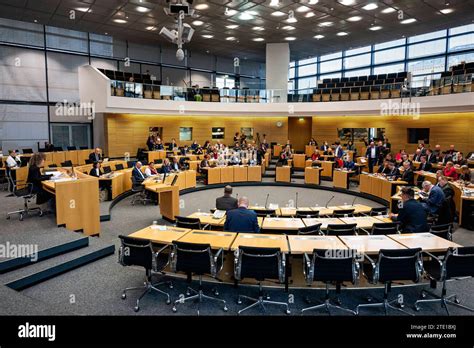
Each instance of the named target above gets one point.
<point>423,81</point>
<point>333,65</point>
<point>185,133</point>
<point>307,61</point>
<point>69,134</point>
<point>218,132</point>
<point>390,44</point>
<point>330,76</point>
<point>248,132</point>
<point>307,70</point>
<point>222,81</point>
<point>429,36</point>
<point>309,82</point>
<point>357,61</point>
<point>415,135</point>
<point>461,29</point>
<point>360,72</point>
<point>358,51</point>
<point>459,58</point>
<point>459,43</point>
<point>386,69</point>
<point>331,56</point>
<point>427,48</point>
<point>65,39</point>
<point>291,74</point>
<point>390,55</point>
<point>426,66</point>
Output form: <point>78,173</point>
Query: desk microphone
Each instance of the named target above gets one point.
<point>296,203</point>
<point>266,200</point>
<point>354,201</point>
<point>237,197</point>
<point>329,201</point>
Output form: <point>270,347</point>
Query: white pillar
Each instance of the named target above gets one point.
<point>276,67</point>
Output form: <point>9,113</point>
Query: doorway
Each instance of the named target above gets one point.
<point>299,131</point>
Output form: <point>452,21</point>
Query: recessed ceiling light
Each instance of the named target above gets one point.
<point>370,7</point>
<point>121,21</point>
<point>303,9</point>
<point>354,19</point>
<point>258,28</point>
<point>245,16</point>
<point>198,23</point>
<point>309,15</point>
<point>342,33</point>
<point>347,2</point>
<point>274,3</point>
<point>36,21</point>
<point>82,9</point>
<point>325,24</point>
<point>319,37</point>
<point>253,13</point>
<point>375,28</point>
<point>231,26</point>
<point>389,10</point>
<point>201,7</point>
<point>446,10</point>
<point>290,38</point>
<point>229,12</point>
<point>258,39</point>
<point>230,38</point>
<point>151,28</point>
<point>313,2</point>
<point>142,9</point>
<point>408,21</point>
<point>278,14</point>
<point>288,27</point>
<point>208,36</point>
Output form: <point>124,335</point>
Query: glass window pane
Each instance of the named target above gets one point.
<point>387,69</point>
<point>101,45</point>
<point>330,76</point>
<point>357,61</point>
<point>291,73</point>
<point>21,32</point>
<point>60,135</point>
<point>426,66</point>
<point>331,56</point>
<point>423,81</point>
<point>80,135</point>
<point>461,29</point>
<point>309,82</point>
<point>332,65</point>
<point>65,39</point>
<point>459,58</point>
<point>359,72</point>
<point>358,51</point>
<point>427,48</point>
<point>463,42</point>
<point>390,55</point>
<point>292,64</point>
<point>389,44</point>
<point>429,36</point>
<point>307,70</point>
<point>185,133</point>
<point>308,61</point>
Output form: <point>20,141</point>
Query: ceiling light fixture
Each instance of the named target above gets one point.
<point>370,7</point>
<point>231,26</point>
<point>291,17</point>
<point>408,21</point>
<point>342,33</point>
<point>313,2</point>
<point>290,38</point>
<point>278,14</point>
<point>259,39</point>
<point>375,28</point>
<point>274,3</point>
<point>325,24</point>
<point>82,9</point>
<point>230,38</point>
<point>229,12</point>
<point>347,2</point>
<point>201,7</point>
<point>446,11</point>
<point>245,16</point>
<point>207,36</point>
<point>288,27</point>
<point>198,23</point>
<point>319,37</point>
<point>142,9</point>
<point>303,9</point>
<point>120,21</point>
<point>258,28</point>
<point>389,10</point>
<point>151,28</point>
<point>309,15</point>
<point>354,19</point>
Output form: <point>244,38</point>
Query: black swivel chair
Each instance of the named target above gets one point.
<point>53,165</point>
<point>393,265</point>
<point>67,163</point>
<point>341,230</point>
<point>378,211</point>
<point>118,166</point>
<point>187,222</point>
<point>444,231</point>
<point>306,214</point>
<point>26,193</point>
<point>193,258</point>
<point>139,192</point>
<point>456,263</point>
<point>259,264</point>
<point>331,266</point>
<point>71,148</point>
<point>343,213</point>
<point>265,212</point>
<point>310,230</point>
<point>383,228</point>
<point>139,252</point>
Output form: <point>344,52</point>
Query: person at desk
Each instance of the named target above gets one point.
<point>95,156</point>
<point>241,219</point>
<point>172,145</point>
<point>433,202</point>
<point>407,174</point>
<point>465,174</point>
<point>383,169</point>
<point>313,142</point>
<point>316,155</point>
<point>150,142</point>
<point>425,165</point>
<point>412,215</point>
<point>417,155</point>
<point>351,146</point>
<point>35,178</point>
<point>349,164</point>
<point>430,157</point>
<point>137,174</point>
<point>13,160</point>
<point>159,145</point>
<point>338,152</point>
<point>150,170</point>
<point>204,163</point>
<point>372,155</point>
<point>325,147</point>
<point>449,198</point>
<point>398,155</point>
<point>184,150</point>
<point>450,171</point>
<point>393,171</point>
<point>437,153</point>
<point>166,167</point>
<point>226,202</point>
<point>176,166</point>
<point>48,147</point>
<point>95,170</point>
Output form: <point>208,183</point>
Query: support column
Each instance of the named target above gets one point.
<point>277,61</point>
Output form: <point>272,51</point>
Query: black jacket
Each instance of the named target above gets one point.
<point>413,217</point>
<point>93,158</point>
<point>226,203</point>
<point>408,176</point>
<point>426,167</point>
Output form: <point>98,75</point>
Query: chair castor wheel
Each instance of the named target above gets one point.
<point>216,293</point>
<point>174,309</point>
<point>226,309</point>
<point>41,213</point>
<point>21,217</point>
<point>124,296</point>
<point>239,301</point>
<point>288,311</point>
<point>423,295</point>
<point>168,301</point>
<point>171,286</point>
<point>417,308</point>
<point>401,305</point>
<point>136,308</point>
<point>456,300</point>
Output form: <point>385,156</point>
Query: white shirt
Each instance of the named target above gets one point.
<point>12,162</point>
<point>141,172</point>
<point>372,152</point>
<point>148,172</point>
<point>97,171</point>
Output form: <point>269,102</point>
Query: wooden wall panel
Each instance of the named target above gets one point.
<point>127,132</point>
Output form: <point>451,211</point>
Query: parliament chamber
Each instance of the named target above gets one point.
<point>237,158</point>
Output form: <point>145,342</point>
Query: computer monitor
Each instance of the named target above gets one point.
<point>27,150</point>
<point>174,180</point>
<point>107,170</point>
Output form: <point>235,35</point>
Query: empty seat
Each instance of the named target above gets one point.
<point>354,78</point>
<point>392,76</point>
<point>364,93</point>
<point>345,94</point>
<point>344,79</point>
<point>335,80</point>
<point>375,92</point>
<point>326,80</point>
<point>372,77</point>
<point>355,92</point>
<point>359,83</point>
<point>362,78</point>
<point>379,82</point>
<point>381,76</point>
<point>403,74</point>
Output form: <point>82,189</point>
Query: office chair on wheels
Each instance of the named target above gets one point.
<point>393,265</point>
<point>330,266</point>
<point>198,259</point>
<point>456,263</point>
<point>26,193</point>
<point>259,264</point>
<point>139,192</point>
<point>139,252</point>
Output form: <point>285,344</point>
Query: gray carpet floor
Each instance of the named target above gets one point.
<point>95,289</point>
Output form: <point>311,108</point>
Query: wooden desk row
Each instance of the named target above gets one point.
<point>217,175</point>
<point>378,186</point>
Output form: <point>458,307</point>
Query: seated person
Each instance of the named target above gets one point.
<point>349,164</point>
<point>458,159</point>
<point>412,215</point>
<point>175,165</point>
<point>448,215</point>
<point>194,145</point>
<point>95,170</point>
<point>389,157</point>
<point>433,202</point>
<point>392,171</point>
<point>166,167</point>
<point>241,219</point>
<point>184,150</point>
<point>48,147</point>
<point>95,156</point>
<point>425,165</point>
<point>150,170</point>
<point>159,145</point>
<point>325,148</point>
<point>234,159</point>
<point>226,202</point>
<point>137,174</point>
<point>313,142</point>
<point>431,157</point>
<point>13,160</point>
<point>407,174</point>
<point>282,160</point>
<point>398,156</point>
<point>315,156</point>
<point>384,169</point>
<point>172,145</point>
<point>465,174</point>
<point>36,178</point>
<point>198,151</point>
<point>450,171</point>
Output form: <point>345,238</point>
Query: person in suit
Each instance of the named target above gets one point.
<point>150,142</point>
<point>48,147</point>
<point>430,157</point>
<point>435,198</point>
<point>194,145</point>
<point>465,174</point>
<point>407,174</point>
<point>417,155</point>
<point>325,147</point>
<point>383,169</point>
<point>425,165</point>
<point>184,150</point>
<point>338,152</point>
<point>412,216</point>
<point>36,178</point>
<point>175,165</point>
<point>241,219</point>
<point>313,142</point>
<point>392,171</point>
<point>166,167</point>
<point>95,170</point>
<point>449,198</point>
<point>227,202</point>
<point>372,155</point>
<point>13,160</point>
<point>95,156</point>
<point>172,145</point>
<point>159,145</point>
<point>387,145</point>
<point>137,174</point>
